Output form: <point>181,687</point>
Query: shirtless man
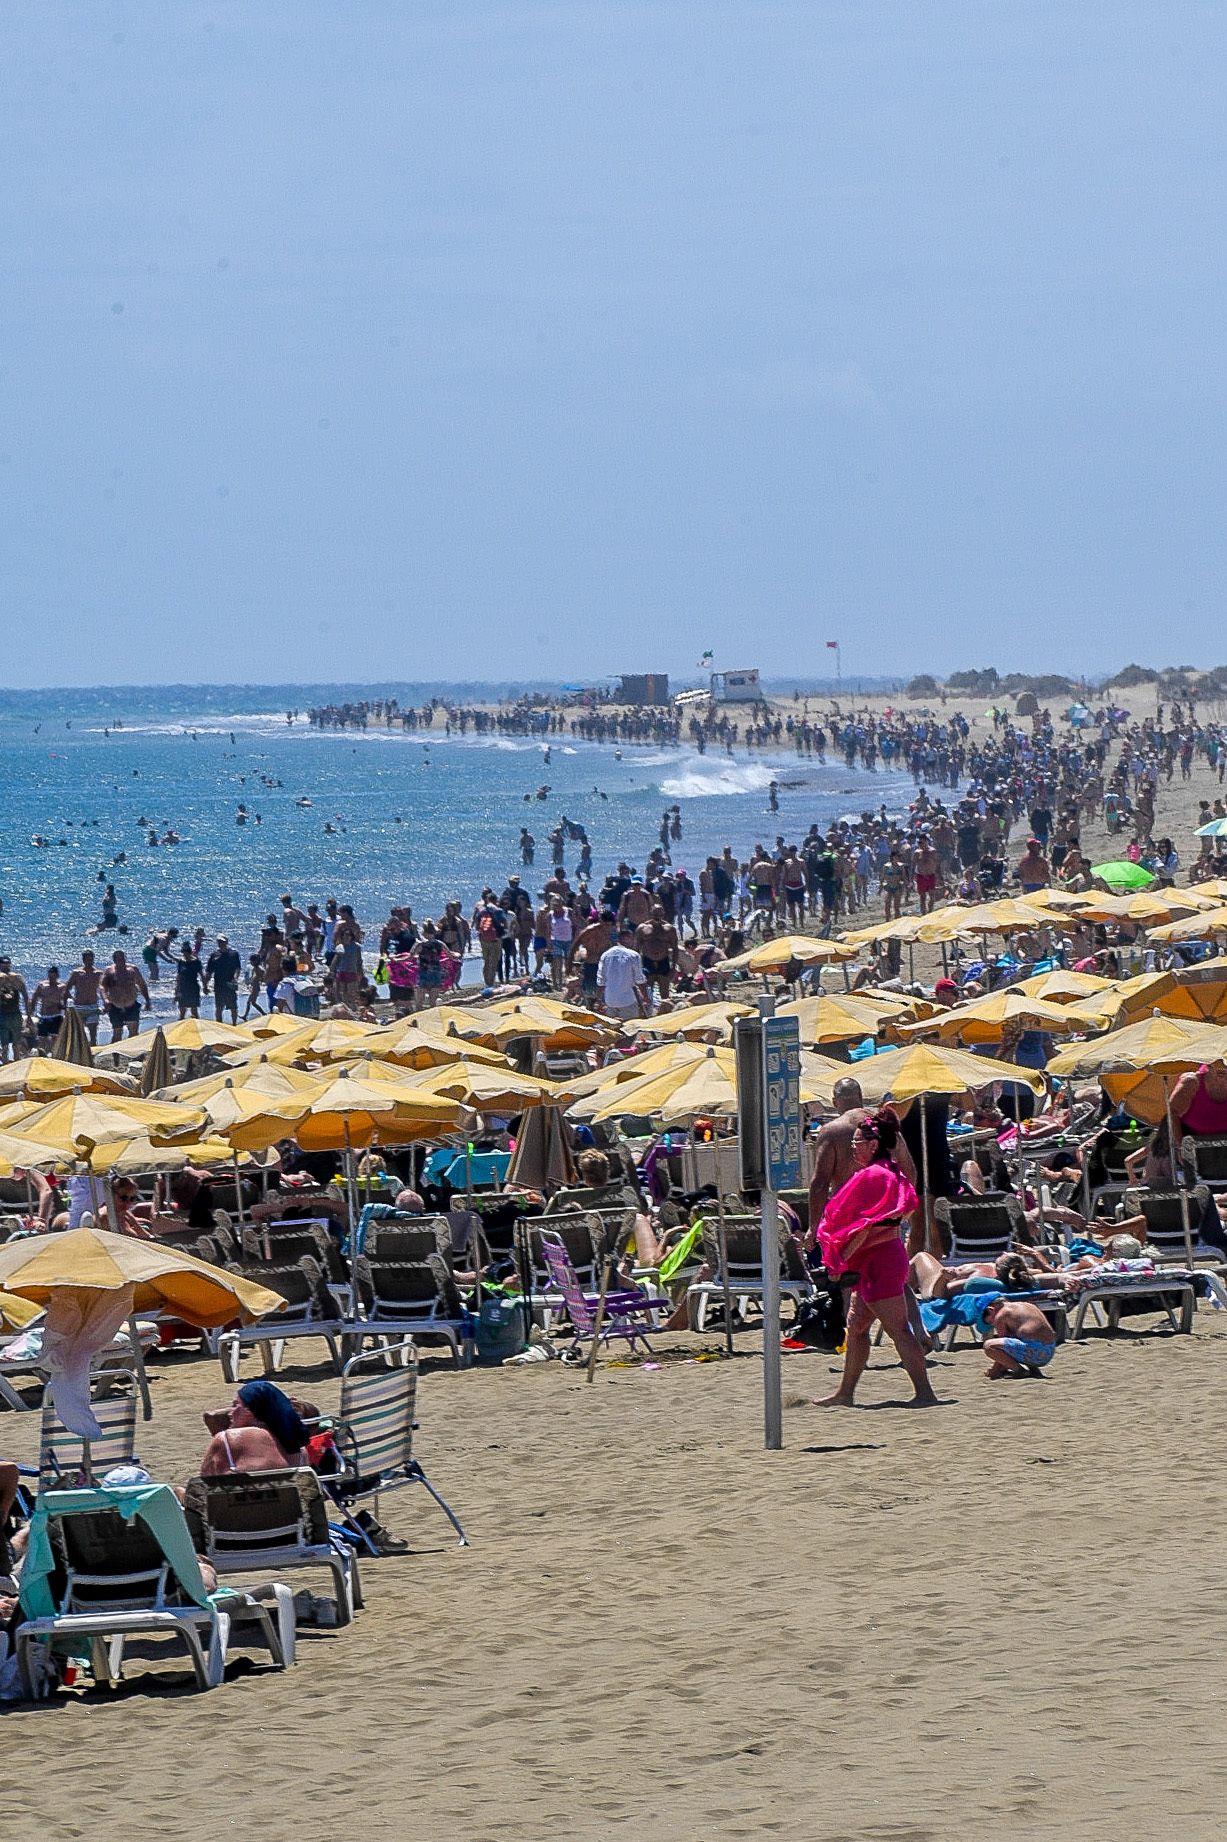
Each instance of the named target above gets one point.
<point>834,1162</point>
<point>656,943</point>
<point>123,989</point>
<point>636,905</point>
<point>1020,1341</point>
<point>594,939</point>
<point>927,867</point>
<point>14,1007</point>
<point>81,992</point>
<point>48,1000</point>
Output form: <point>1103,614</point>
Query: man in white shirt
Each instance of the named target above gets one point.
<point>620,979</point>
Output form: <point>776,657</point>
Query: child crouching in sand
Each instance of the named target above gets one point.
<point>1021,1342</point>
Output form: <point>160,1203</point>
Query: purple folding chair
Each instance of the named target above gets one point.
<point>625,1315</point>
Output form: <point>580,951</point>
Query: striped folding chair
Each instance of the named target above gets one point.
<point>374,1432</point>
<point>65,1458</point>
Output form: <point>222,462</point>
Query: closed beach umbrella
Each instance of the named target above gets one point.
<point>157,1071</point>
<point>71,1043</point>
<point>543,1158</point>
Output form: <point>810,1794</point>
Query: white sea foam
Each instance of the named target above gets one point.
<point>717,778</point>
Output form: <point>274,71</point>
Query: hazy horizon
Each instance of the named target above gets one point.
<point>570,337</point>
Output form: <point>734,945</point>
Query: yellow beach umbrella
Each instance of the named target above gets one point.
<point>1008,916</point>
<point>1139,1064</point>
<point>136,1156</point>
<point>835,1019</point>
<point>89,1260</point>
<point>42,1077</point>
<point>905,928</point>
<point>250,1120</point>
<point>695,1090</point>
<point>700,1021</point>
<point>277,1023</point>
<point>1200,926</point>
<point>530,1017</point>
<point>418,1042</point>
<point>1061,987</point>
<point>1141,908</point>
<point>488,1090</point>
<point>78,1120</point>
<point>1154,1042</point>
<point>200,1033</point>
<point>261,1077</point>
<point>926,1068</point>
<point>991,1018</point>
<point>350,1110</point>
<point>786,950</point>
<point>649,1061</point>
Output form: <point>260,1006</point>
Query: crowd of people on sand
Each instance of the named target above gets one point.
<point>865,1243</point>
<point>1006,813</point>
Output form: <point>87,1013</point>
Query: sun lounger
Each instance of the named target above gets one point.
<point>628,1315</point>
<point>1105,1293</point>
<point>374,1431</point>
<point>410,1299</point>
<point>310,1311</point>
<point>979,1227</point>
<point>67,1458</point>
<point>744,1246</point>
<point>107,1566</point>
<point>256,1521</point>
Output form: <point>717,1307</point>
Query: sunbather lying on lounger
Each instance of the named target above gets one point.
<point>261,1430</point>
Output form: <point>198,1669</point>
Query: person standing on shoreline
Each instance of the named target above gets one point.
<point>14,1003</point>
<point>81,991</point>
<point>222,969</point>
<point>48,1000</point>
<point>123,989</point>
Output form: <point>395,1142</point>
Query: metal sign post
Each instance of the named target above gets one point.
<point>781,1040</point>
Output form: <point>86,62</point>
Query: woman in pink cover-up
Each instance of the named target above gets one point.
<point>861,1238</point>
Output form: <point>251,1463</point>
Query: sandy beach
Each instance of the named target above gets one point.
<point>904,1626</point>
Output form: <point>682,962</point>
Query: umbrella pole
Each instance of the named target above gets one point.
<point>1178,1175</point>
<point>238,1189</point>
<point>526,1276</point>
<point>929,1237</point>
<point>724,1265</point>
<point>351,1199</point>
<point>911,963</point>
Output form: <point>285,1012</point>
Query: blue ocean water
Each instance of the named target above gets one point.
<point>424,818</point>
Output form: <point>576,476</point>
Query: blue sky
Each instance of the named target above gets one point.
<point>445,339</point>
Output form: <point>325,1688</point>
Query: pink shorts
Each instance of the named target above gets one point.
<point>882,1271</point>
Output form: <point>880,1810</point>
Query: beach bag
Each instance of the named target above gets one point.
<point>820,1320</point>
<point>500,1330</point>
